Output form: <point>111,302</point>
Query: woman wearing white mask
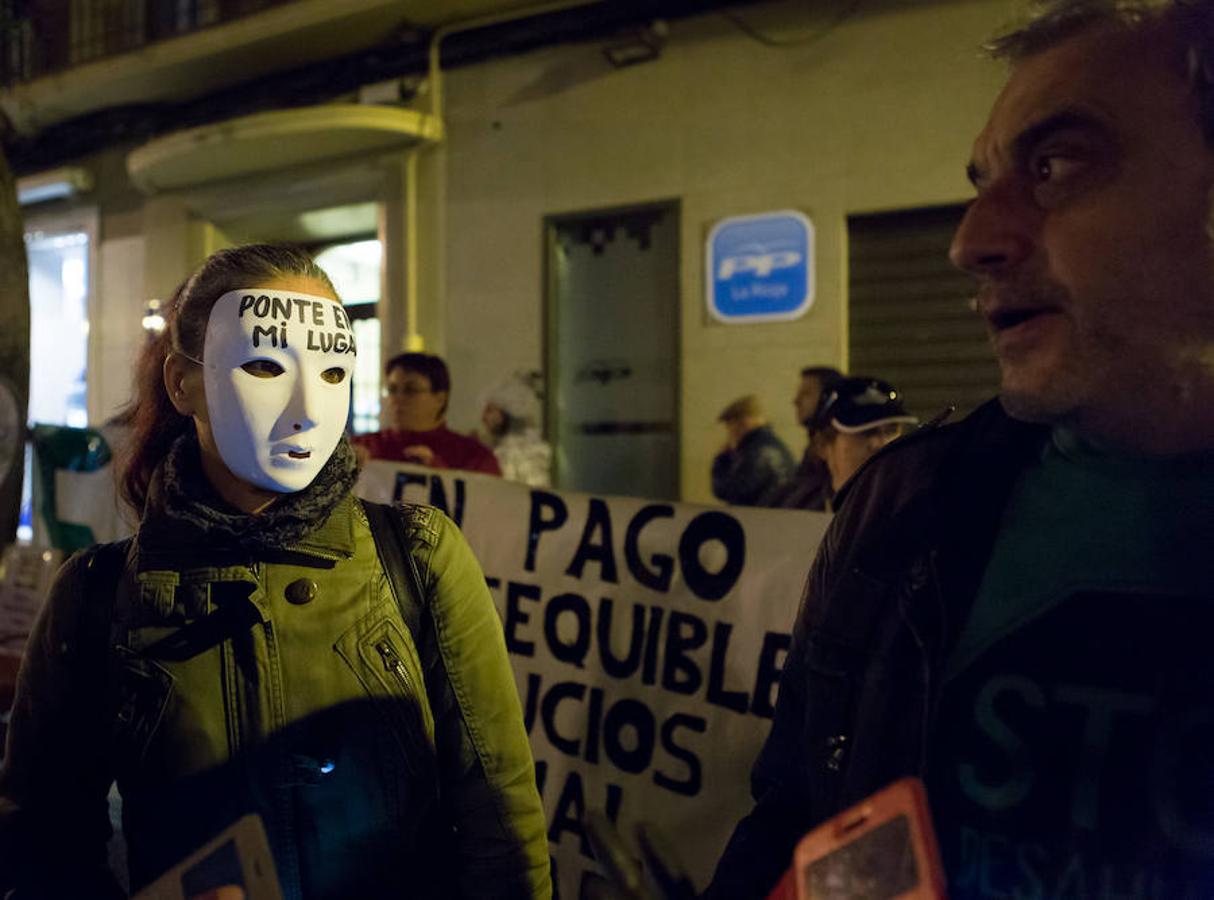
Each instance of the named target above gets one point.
<point>267,650</point>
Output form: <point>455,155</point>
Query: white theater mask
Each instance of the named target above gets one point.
<point>276,371</point>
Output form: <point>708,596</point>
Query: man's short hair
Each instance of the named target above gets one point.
<point>826,375</point>
<point>427,364</point>
<point>1191,23</point>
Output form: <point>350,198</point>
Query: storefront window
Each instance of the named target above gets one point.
<point>354,268</point>
<point>59,332</point>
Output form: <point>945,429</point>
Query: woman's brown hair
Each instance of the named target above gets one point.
<point>155,423</point>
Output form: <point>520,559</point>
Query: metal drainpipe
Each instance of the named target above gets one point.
<point>414,342</point>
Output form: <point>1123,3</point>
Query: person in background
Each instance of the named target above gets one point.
<point>252,649</point>
<point>417,387</point>
<point>510,426</point>
<point>857,417</point>
<point>809,486</point>
<point>1017,608</point>
<point>754,461</point>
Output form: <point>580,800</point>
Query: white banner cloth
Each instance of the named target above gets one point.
<point>646,638</point>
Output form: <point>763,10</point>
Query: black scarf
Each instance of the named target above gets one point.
<point>186,494</point>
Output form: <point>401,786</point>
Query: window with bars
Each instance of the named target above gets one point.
<point>910,321</point>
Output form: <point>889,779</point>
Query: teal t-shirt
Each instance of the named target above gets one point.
<point>1074,753</point>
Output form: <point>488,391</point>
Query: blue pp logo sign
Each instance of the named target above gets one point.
<point>760,268</point>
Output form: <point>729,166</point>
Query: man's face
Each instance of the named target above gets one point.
<point>413,404</point>
<point>1089,234</point>
<point>739,426</point>
<point>805,402</point>
<point>844,453</point>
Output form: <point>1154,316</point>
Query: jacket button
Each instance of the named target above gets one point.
<point>301,591</point>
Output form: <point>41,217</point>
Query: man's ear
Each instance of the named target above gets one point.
<point>177,370</point>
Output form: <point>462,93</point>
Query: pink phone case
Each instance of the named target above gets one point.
<point>880,849</point>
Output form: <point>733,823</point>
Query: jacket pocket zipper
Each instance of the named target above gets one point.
<point>395,667</point>
<point>393,664</point>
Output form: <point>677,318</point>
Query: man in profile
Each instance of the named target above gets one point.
<point>1017,608</point>
<point>809,486</point>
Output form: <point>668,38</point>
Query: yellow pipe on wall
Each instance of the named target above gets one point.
<point>414,342</point>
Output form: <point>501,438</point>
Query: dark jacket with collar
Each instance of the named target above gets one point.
<point>383,763</point>
<point>890,588</point>
<point>750,472</point>
<point>807,488</point>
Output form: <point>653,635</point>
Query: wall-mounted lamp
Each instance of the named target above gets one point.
<point>642,45</point>
<point>54,184</point>
<point>153,320</point>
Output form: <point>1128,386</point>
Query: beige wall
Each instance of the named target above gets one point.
<point>878,113</point>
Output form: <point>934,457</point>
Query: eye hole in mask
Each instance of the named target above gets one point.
<point>263,368</point>
<point>267,368</point>
<point>335,375</point>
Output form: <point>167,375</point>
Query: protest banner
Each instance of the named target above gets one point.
<point>647,640</point>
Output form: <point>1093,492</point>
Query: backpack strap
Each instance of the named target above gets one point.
<point>390,529</point>
<point>103,568</point>
<point>104,565</point>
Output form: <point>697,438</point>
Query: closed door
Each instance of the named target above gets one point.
<point>612,346</point>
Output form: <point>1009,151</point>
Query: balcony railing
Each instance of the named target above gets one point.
<point>42,37</point>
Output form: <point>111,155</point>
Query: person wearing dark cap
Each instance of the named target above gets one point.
<point>855,419</point>
<point>754,460</point>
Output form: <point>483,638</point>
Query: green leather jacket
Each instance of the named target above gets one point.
<point>383,764</point>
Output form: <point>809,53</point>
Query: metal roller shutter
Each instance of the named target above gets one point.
<point>910,321</point>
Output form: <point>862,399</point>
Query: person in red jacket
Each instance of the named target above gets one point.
<point>416,388</point>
